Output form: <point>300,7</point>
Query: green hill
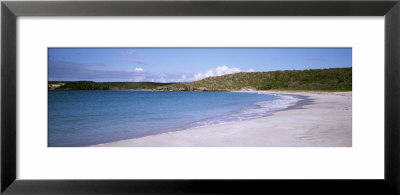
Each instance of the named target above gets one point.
<point>334,79</point>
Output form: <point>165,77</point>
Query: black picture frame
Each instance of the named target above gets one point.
<point>11,10</point>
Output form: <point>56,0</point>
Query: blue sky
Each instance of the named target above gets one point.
<point>184,64</point>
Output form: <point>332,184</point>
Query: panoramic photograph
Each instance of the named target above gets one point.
<point>199,97</point>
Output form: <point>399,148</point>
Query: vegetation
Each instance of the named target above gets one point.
<point>333,79</point>
<point>90,85</point>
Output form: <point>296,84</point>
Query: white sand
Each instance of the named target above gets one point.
<point>327,121</point>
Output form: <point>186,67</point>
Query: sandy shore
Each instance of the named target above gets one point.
<point>326,120</point>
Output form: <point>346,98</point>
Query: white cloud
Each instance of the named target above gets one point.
<point>198,76</point>
<point>183,78</point>
<point>219,71</point>
<point>250,70</point>
<point>138,69</point>
<point>222,70</point>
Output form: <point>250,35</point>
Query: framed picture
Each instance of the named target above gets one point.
<point>169,101</point>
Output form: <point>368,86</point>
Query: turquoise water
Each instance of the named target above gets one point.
<point>83,118</point>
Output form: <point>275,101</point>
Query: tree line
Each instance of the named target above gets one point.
<point>332,79</point>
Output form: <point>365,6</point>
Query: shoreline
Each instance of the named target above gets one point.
<point>303,100</point>
<point>320,119</point>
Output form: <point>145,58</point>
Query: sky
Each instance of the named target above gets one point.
<point>184,64</point>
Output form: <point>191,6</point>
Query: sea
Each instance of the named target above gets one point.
<point>79,118</point>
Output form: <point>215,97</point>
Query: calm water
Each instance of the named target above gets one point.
<point>83,118</point>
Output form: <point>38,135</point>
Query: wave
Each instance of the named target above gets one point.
<point>265,108</point>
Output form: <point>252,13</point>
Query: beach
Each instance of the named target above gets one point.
<point>323,119</point>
